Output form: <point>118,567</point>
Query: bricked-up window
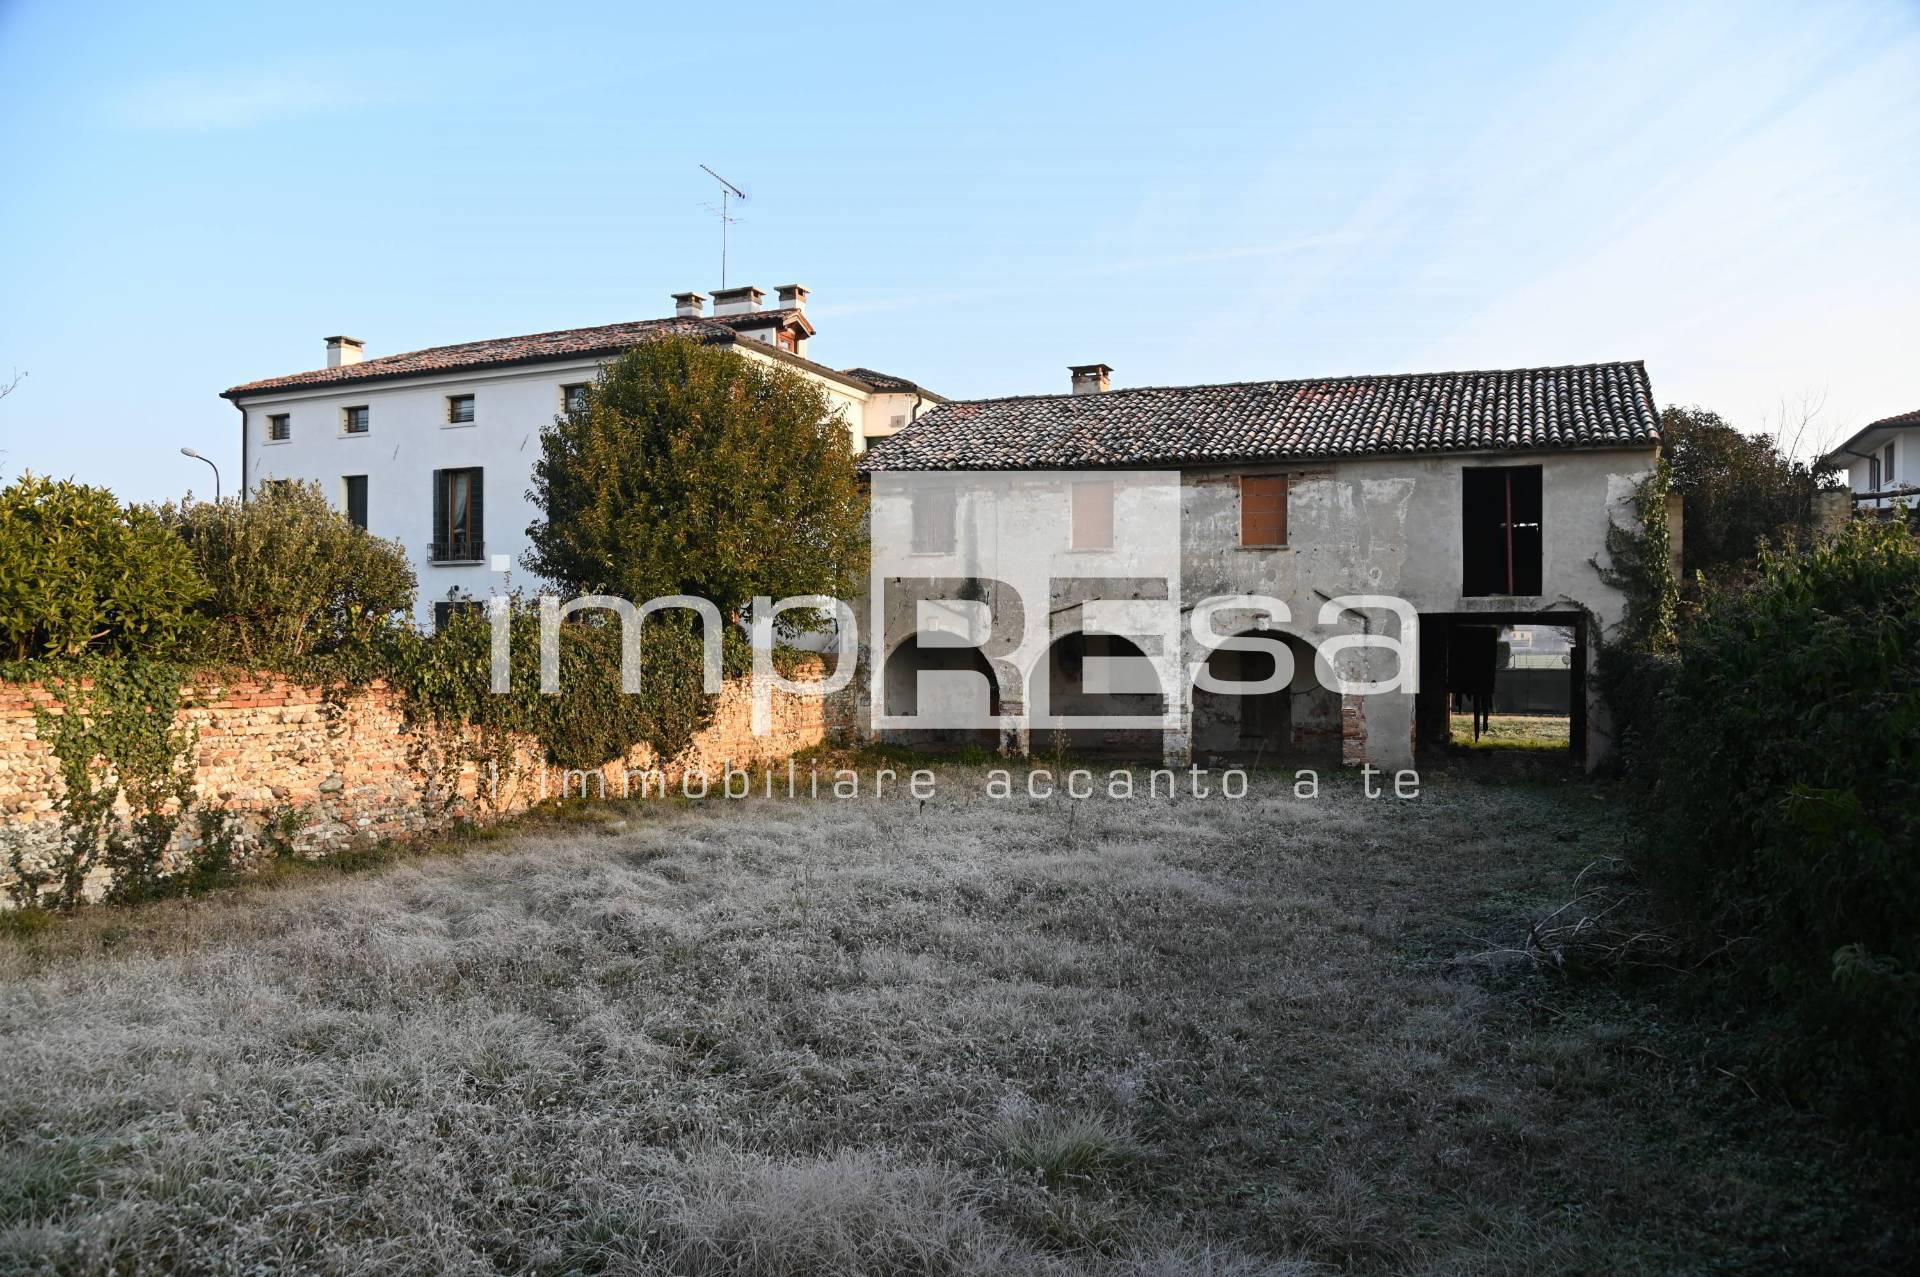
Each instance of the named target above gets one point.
<point>934,520</point>
<point>354,489</point>
<point>1263,509</point>
<point>459,528</point>
<point>459,410</point>
<point>1093,515</point>
<point>279,427</point>
<point>355,420</point>
<point>1501,530</point>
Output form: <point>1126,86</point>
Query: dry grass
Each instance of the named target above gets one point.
<point>1514,731</point>
<point>1172,1038</point>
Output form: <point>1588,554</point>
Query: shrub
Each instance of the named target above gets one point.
<point>80,572</point>
<point>290,576</point>
<point>1788,776</point>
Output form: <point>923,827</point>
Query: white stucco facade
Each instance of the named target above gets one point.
<point>409,439</point>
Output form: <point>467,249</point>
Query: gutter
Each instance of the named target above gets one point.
<point>243,448</point>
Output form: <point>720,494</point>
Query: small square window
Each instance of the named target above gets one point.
<point>355,420</point>
<point>573,398</point>
<point>459,410</point>
<point>279,427</point>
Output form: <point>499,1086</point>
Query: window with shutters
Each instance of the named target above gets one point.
<point>279,427</point>
<point>1501,530</point>
<point>1263,510</point>
<point>934,519</point>
<point>354,421</point>
<point>1093,515</point>
<point>458,508</point>
<point>459,410</point>
<point>354,488</point>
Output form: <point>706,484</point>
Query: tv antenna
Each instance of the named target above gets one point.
<point>727,191</point>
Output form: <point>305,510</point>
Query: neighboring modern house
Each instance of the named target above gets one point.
<point>1882,460</point>
<point>435,448</point>
<point>1483,499</point>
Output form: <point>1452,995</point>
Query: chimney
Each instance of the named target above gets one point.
<point>792,296</point>
<point>689,305</point>
<point>737,301</point>
<point>1090,379</point>
<point>342,351</point>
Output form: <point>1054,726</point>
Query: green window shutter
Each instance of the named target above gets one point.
<point>478,505</point>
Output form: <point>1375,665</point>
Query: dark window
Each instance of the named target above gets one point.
<point>1873,473</point>
<point>459,409</point>
<point>276,487</point>
<point>279,427</point>
<point>933,520</point>
<point>356,492</point>
<point>459,530</point>
<point>1263,509</point>
<point>1889,466</point>
<point>1093,515</point>
<point>356,420</point>
<point>1501,530</point>
<point>446,610</point>
<point>573,398</point>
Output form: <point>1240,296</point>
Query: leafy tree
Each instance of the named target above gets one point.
<point>80,572</point>
<point>695,470</point>
<point>1739,489</point>
<point>290,576</point>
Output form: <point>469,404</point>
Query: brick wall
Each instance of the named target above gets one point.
<point>353,772</point>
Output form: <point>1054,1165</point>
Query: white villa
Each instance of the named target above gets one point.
<point>1882,460</point>
<point>435,448</point>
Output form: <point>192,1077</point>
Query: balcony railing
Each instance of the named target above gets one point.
<point>456,551</point>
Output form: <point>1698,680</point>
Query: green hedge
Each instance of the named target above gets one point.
<point>1785,807</point>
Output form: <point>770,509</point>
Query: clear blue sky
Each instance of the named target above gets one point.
<point>193,195</point>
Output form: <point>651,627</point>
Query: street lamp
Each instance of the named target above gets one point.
<point>189,452</point>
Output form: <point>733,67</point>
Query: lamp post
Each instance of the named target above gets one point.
<point>189,452</point>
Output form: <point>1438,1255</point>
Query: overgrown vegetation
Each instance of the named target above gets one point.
<point>1785,768</point>
<point>694,470</point>
<point>1741,492</point>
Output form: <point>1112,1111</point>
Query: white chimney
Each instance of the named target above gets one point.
<point>1090,379</point>
<point>342,351</point>
<point>689,305</point>
<point>737,301</point>
<point>792,296</point>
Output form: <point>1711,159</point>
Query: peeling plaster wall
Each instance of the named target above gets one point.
<point>1378,525</point>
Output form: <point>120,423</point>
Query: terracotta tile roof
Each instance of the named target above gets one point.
<point>569,343</point>
<point>763,318</point>
<point>887,383</point>
<point>1523,410</point>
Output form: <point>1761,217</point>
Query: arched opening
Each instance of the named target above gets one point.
<point>957,698</point>
<point>1088,676</point>
<point>1298,721</point>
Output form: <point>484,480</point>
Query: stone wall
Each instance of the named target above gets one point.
<point>352,774</point>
